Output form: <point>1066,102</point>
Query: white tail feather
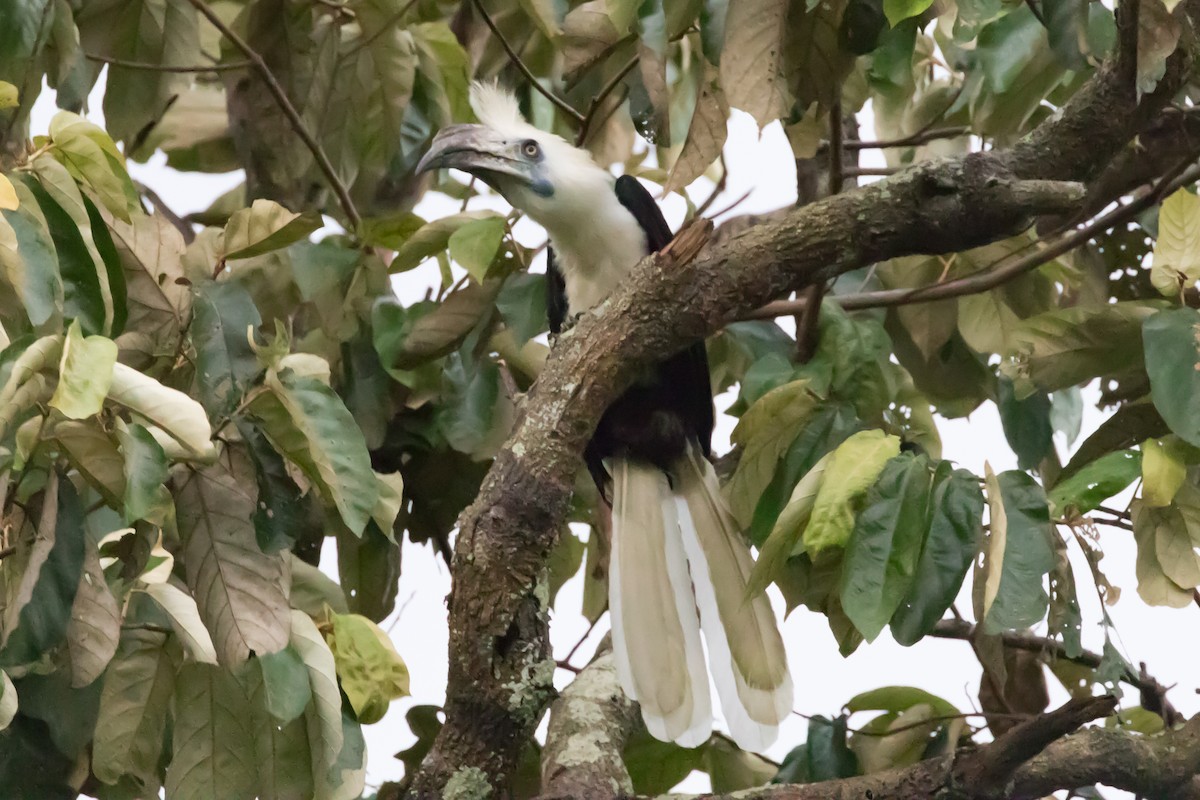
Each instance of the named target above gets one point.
<point>656,633</point>
<point>746,653</point>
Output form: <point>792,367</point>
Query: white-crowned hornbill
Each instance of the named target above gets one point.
<point>679,563</point>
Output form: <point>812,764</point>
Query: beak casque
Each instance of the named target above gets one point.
<point>475,149</point>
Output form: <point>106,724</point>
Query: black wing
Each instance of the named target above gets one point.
<point>556,293</point>
<point>688,370</point>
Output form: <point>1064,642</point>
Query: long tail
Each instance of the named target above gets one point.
<point>655,630</point>
<point>748,660</point>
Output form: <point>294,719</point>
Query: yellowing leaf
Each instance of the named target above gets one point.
<point>705,137</point>
<point>1177,249</point>
<point>8,195</point>
<point>765,432</point>
<point>1163,470</point>
<point>91,157</point>
<point>84,374</point>
<point>173,411</point>
<point>854,466</point>
<point>185,619</point>
<point>1154,585</point>
<point>476,244</point>
<point>8,700</point>
<point>264,227</point>
<point>784,540</point>
<point>369,669</point>
<point>387,505</point>
<point>9,97</point>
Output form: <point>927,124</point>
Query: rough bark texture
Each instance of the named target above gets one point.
<point>499,665</point>
<point>589,726</point>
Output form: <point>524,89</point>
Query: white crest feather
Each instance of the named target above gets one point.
<point>497,108</point>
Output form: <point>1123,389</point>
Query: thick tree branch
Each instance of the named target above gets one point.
<point>499,665</point>
<point>1007,268</point>
<point>589,726</point>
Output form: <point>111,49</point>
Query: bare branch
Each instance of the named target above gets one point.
<point>151,67</point>
<point>1005,269</point>
<point>585,124</point>
<point>916,139</point>
<point>558,102</point>
<point>289,111</point>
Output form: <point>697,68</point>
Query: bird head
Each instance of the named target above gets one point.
<point>537,172</point>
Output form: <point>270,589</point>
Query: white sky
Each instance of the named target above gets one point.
<point>824,680</point>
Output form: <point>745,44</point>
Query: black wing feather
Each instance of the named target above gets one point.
<point>556,293</point>
<point>686,372</point>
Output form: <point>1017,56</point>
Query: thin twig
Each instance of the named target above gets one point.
<point>558,102</point>
<point>732,205</point>
<point>399,15</point>
<point>582,639</point>
<point>870,172</point>
<point>1004,269</point>
<point>922,137</point>
<point>1037,12</point>
<point>717,190</point>
<point>7,551</point>
<point>151,67</point>
<point>289,111</point>
<point>585,122</point>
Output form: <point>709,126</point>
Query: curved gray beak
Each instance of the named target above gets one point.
<point>476,149</point>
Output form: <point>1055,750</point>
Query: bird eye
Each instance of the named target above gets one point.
<point>531,149</point>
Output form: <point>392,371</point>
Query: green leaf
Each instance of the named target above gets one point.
<point>284,513</point>
<point>1172,341</point>
<point>145,474</point>
<point>264,227</point>
<point>1095,483</point>
<point>785,537</point>
<point>477,415</point>
<point>240,591</point>
<point>764,433</point>
<point>369,570</point>
<point>369,669</point>
<point>1177,248</point>
<point>93,159</point>
<point>1069,347</point>
<point>894,740</point>
<point>169,409</point>
<point>1018,552</point>
<point>855,465</point>
<point>433,237</point>
<point>732,769</point>
<point>896,699</point>
<point>312,590</point>
<point>282,755</point>
<point>1066,412</point>
<point>885,544</point>
<point>522,304</point>
<point>30,266</point>
<point>1164,469</point>
<point>309,424</point>
<point>36,616</point>
<point>223,321</point>
<point>899,10</point>
<point>409,337</point>
<point>476,244</point>
<point>213,753</point>
<point>8,95</point>
<point>84,374</point>
<point>285,684</point>
<point>133,710</point>
<point>655,767</point>
<point>86,295</point>
<point>1065,619</point>
<point>1026,424</point>
<point>955,526</point>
